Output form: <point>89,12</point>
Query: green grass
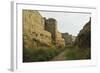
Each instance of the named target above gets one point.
<point>46,54</point>
<point>75,53</point>
<point>39,54</point>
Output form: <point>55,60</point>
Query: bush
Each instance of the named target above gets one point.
<point>75,53</point>
<point>39,54</point>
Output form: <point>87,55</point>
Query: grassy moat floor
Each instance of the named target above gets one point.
<point>55,54</point>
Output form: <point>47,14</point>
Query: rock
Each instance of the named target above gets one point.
<point>83,39</point>
<point>39,31</point>
<point>33,30</point>
<point>51,26</point>
<point>68,38</point>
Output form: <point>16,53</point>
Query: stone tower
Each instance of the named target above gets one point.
<point>39,31</point>
<point>51,26</point>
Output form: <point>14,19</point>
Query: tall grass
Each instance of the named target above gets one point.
<point>76,53</point>
<point>46,54</point>
<point>39,54</point>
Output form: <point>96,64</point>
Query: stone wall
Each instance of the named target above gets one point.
<point>33,30</point>
<point>68,38</point>
<point>59,40</point>
<point>51,26</point>
<point>39,31</point>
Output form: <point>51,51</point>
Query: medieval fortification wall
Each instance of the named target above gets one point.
<point>39,31</point>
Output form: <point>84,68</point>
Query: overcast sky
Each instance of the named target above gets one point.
<point>68,22</point>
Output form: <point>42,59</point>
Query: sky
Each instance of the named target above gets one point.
<point>68,22</point>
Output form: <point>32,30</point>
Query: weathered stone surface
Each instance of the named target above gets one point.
<point>68,38</point>
<point>59,40</point>
<point>39,31</point>
<point>33,30</point>
<point>51,26</point>
<point>83,39</point>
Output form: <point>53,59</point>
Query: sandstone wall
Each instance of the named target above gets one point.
<point>51,26</point>
<point>39,31</point>
<point>33,30</point>
<point>59,40</point>
<point>68,38</point>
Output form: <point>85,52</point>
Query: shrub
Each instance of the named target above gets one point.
<point>39,54</point>
<point>75,53</point>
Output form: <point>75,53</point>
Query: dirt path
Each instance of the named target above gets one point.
<point>60,56</point>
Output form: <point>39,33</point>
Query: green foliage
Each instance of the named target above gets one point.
<point>46,54</point>
<point>39,54</point>
<point>75,53</point>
